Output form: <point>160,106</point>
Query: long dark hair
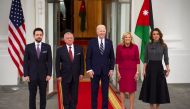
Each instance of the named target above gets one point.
<point>160,34</point>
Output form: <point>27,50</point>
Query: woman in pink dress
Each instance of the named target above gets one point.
<point>127,61</point>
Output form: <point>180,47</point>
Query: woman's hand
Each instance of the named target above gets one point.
<point>167,72</point>
<point>118,76</point>
<point>144,70</point>
<point>144,73</point>
<point>136,76</point>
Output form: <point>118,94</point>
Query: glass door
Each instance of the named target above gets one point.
<point>120,23</point>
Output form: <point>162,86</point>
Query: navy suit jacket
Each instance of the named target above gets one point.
<point>67,69</point>
<point>96,61</point>
<point>37,68</point>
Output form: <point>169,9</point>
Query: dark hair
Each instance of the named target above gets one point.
<point>38,29</point>
<point>160,34</point>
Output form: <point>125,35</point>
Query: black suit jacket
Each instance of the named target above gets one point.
<point>37,68</point>
<point>67,69</point>
<point>96,61</point>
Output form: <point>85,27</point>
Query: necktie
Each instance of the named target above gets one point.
<point>38,50</point>
<point>70,54</point>
<point>101,47</point>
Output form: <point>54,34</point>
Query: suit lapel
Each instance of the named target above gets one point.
<point>106,45</point>
<point>34,50</point>
<point>42,49</point>
<point>97,46</point>
<point>75,52</point>
<point>66,52</point>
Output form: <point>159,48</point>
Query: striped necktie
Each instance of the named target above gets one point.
<point>101,47</point>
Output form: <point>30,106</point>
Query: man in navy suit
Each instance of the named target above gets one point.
<point>100,62</point>
<point>37,68</point>
<point>69,69</point>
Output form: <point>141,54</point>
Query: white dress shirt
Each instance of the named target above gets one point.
<point>103,41</point>
<point>36,44</point>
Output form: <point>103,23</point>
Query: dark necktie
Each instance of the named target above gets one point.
<point>101,47</point>
<point>70,54</point>
<point>38,50</point>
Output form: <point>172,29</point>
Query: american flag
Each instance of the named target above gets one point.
<point>16,32</point>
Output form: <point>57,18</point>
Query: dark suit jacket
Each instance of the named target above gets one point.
<point>37,68</point>
<point>67,69</point>
<point>97,62</point>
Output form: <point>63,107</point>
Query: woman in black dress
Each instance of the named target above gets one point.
<point>154,88</point>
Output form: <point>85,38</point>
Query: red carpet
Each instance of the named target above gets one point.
<point>84,97</point>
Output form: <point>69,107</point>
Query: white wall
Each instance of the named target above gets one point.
<point>8,71</point>
<point>172,17</point>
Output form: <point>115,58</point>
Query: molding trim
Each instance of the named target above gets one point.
<point>174,41</point>
<point>179,51</point>
<point>124,1</point>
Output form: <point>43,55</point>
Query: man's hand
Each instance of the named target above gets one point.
<point>48,78</point>
<point>90,73</point>
<point>110,74</point>
<point>81,77</point>
<point>27,79</point>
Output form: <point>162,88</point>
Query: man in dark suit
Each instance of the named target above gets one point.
<point>69,69</point>
<point>100,62</point>
<point>37,68</point>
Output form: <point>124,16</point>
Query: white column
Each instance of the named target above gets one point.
<point>50,35</point>
<point>40,15</point>
<point>30,19</point>
<point>125,18</point>
<point>114,34</point>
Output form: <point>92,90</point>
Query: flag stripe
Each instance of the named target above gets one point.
<point>15,62</point>
<point>16,45</point>
<point>15,57</point>
<point>23,26</point>
<point>19,66</point>
<point>21,35</point>
<point>16,51</point>
<point>16,39</point>
<point>143,33</point>
<point>22,42</point>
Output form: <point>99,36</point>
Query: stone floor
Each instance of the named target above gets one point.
<point>13,98</point>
